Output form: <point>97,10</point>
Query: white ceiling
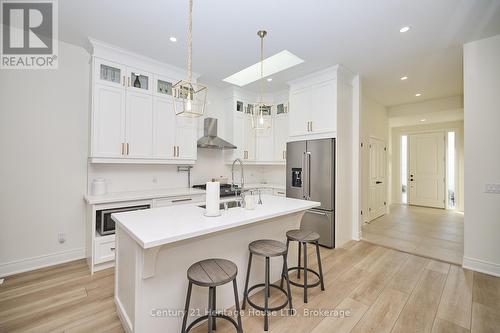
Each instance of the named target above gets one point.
<point>363,35</point>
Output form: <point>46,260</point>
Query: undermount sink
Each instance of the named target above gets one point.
<point>228,204</point>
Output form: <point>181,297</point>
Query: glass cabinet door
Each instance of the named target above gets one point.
<point>138,80</point>
<point>108,73</point>
<point>163,87</point>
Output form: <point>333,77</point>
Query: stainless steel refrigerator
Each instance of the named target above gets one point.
<point>310,175</point>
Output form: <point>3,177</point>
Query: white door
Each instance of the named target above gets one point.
<point>186,137</point>
<point>164,124</point>
<point>426,170</point>
<point>108,123</point>
<point>280,132</point>
<point>139,125</point>
<point>377,174</point>
<point>299,111</point>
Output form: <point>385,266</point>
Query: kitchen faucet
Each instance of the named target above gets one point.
<point>242,180</point>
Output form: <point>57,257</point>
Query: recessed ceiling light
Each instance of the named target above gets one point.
<point>404,29</point>
<point>423,119</point>
<point>272,65</point>
<point>404,78</point>
<point>418,95</point>
<point>269,79</point>
<point>173,39</point>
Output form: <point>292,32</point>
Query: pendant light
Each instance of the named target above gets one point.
<point>189,97</point>
<point>261,116</point>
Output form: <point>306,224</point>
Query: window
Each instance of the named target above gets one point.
<point>404,169</point>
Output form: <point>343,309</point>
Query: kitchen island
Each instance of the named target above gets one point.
<point>154,249</point>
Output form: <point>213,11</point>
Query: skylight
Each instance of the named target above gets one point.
<point>274,64</point>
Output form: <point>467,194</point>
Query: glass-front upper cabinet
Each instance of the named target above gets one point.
<point>163,86</point>
<point>139,80</point>
<point>282,108</point>
<point>109,73</point>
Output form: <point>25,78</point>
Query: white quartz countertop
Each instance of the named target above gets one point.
<point>141,195</point>
<point>265,185</point>
<point>159,226</point>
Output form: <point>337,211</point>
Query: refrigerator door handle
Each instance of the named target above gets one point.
<point>317,213</point>
<point>304,175</point>
<point>308,162</point>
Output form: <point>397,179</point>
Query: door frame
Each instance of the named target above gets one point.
<point>445,132</point>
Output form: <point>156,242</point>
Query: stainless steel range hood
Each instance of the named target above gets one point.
<point>210,138</point>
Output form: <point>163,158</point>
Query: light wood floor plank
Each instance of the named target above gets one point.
<point>383,314</point>
<point>419,313</point>
<point>487,290</point>
<point>343,324</point>
<point>456,302</point>
<point>444,326</point>
<point>407,277</point>
<point>485,319</point>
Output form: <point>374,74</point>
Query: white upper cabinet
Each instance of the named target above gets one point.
<point>249,139</point>
<point>280,133</point>
<point>108,130</point>
<point>300,110</point>
<point>163,123</point>
<point>109,73</point>
<point>139,133</point>
<point>323,112</point>
<point>133,119</point>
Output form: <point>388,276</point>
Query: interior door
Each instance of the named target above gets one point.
<point>427,169</point>
<point>377,178</point>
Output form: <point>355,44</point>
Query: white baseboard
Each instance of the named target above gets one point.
<point>29,264</point>
<point>125,320</point>
<point>481,266</point>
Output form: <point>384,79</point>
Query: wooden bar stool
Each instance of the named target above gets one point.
<point>268,248</point>
<point>305,237</point>
<point>212,273</point>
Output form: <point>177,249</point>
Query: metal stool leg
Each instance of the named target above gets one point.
<point>186,308</point>
<point>289,291</point>
<point>266,298</point>
<point>210,302</point>
<point>320,268</point>
<point>245,292</point>
<point>237,306</point>
<point>305,272</point>
<point>214,306</point>
<point>283,273</point>
<point>298,270</point>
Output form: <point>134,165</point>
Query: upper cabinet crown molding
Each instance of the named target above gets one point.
<point>327,74</point>
<point>108,51</point>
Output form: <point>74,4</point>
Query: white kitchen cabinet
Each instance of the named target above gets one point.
<point>139,133</point>
<point>280,133</point>
<point>300,111</point>
<point>163,122</point>
<point>238,135</point>
<point>139,81</point>
<point>279,192</point>
<point>323,115</point>
<point>249,139</point>
<point>264,142</point>
<point>108,119</point>
<point>186,136</point>
<point>109,73</point>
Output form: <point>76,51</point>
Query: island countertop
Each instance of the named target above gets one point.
<point>159,226</point>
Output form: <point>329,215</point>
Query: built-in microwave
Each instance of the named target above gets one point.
<point>105,224</point>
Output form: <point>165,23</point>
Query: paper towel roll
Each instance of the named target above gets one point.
<point>212,199</point>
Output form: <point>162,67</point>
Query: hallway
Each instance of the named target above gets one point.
<point>428,232</point>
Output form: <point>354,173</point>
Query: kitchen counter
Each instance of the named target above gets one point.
<point>154,249</point>
<point>141,195</point>
<point>155,227</point>
<point>266,185</point>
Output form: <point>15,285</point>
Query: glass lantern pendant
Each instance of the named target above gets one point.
<point>261,117</point>
<point>189,97</point>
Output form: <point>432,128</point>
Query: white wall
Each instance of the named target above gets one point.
<point>44,118</point>
<point>374,123</point>
<point>482,165</point>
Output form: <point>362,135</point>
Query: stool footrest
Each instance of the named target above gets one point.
<point>301,284</point>
<point>260,308</point>
<point>215,315</point>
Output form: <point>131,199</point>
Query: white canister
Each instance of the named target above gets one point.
<point>99,186</point>
<point>249,202</point>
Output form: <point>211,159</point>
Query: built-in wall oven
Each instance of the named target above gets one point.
<point>105,224</point>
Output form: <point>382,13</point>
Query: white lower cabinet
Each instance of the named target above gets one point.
<point>104,249</point>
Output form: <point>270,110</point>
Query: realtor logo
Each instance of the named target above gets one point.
<point>29,34</point>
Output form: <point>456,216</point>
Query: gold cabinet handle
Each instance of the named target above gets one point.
<point>178,151</point>
<point>311,126</point>
<point>174,151</point>
<point>123,148</point>
<point>128,147</point>
<point>128,81</point>
<point>124,80</point>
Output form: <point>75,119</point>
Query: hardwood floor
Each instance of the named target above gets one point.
<point>427,232</point>
<point>369,288</point>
